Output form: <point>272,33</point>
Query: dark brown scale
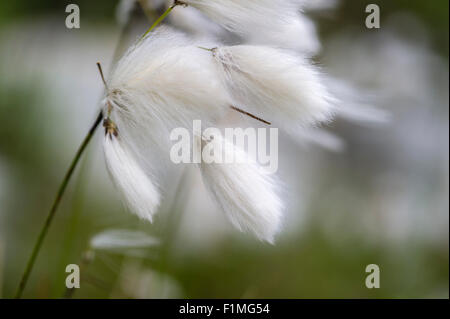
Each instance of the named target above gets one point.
<point>110,128</point>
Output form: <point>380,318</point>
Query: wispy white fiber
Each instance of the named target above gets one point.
<point>194,22</point>
<point>238,16</point>
<point>275,84</point>
<point>364,113</point>
<point>299,33</point>
<point>167,81</point>
<point>355,104</point>
<point>246,192</point>
<point>140,194</point>
<point>163,82</point>
<point>280,20</point>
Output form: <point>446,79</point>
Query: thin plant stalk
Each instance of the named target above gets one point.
<point>162,17</point>
<point>67,177</point>
<point>55,205</point>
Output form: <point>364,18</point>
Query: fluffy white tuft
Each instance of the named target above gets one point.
<point>140,194</point>
<point>248,18</point>
<point>246,192</point>
<point>276,85</point>
<point>193,21</point>
<point>163,82</point>
<point>238,16</point>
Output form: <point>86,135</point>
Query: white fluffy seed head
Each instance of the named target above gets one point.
<point>246,192</point>
<point>165,82</point>
<point>243,16</point>
<point>275,84</point>
<point>140,194</point>
<point>194,22</point>
<point>281,21</point>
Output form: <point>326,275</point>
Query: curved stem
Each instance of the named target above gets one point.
<point>68,175</point>
<point>161,18</point>
<point>55,205</point>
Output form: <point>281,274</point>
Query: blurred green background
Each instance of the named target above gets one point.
<point>384,200</point>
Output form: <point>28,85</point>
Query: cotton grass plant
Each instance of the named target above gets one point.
<point>168,79</point>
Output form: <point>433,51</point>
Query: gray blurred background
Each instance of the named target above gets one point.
<point>382,200</point>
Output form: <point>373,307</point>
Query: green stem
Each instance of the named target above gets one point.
<point>55,205</point>
<point>67,177</point>
<point>160,19</point>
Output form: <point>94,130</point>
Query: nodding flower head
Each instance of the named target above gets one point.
<point>276,84</point>
<point>276,22</point>
<point>167,81</point>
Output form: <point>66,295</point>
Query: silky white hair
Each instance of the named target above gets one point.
<point>194,22</point>
<point>167,80</point>
<point>275,84</point>
<point>163,82</point>
<point>282,21</point>
<point>139,192</point>
<point>246,192</point>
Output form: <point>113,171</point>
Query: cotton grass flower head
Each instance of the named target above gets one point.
<point>163,82</point>
<point>168,80</point>
<point>243,16</point>
<point>275,84</point>
<point>194,22</point>
<point>247,193</point>
<point>283,24</point>
<point>136,186</point>
<point>289,27</point>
